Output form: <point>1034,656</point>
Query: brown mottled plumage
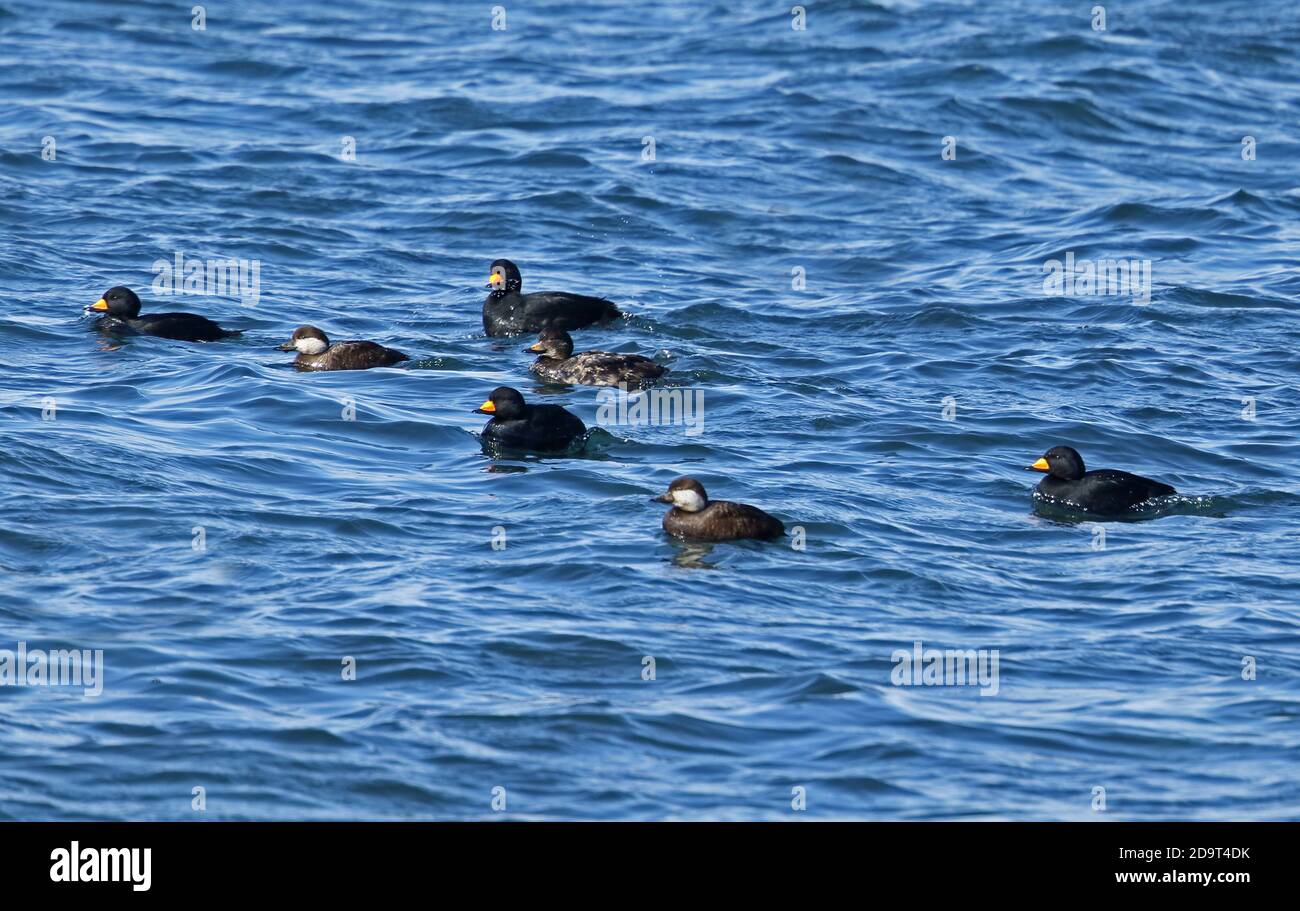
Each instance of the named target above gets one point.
<point>559,364</point>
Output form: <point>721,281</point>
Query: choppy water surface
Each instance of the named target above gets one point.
<point>775,151</point>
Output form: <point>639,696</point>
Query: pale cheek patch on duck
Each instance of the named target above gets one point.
<point>688,500</point>
<point>310,346</point>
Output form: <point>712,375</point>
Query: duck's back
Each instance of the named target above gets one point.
<point>554,421</point>
<point>562,310</point>
<point>601,368</point>
<point>513,313</point>
<point>723,521</point>
<point>353,355</point>
<point>182,327</point>
<point>1105,490</point>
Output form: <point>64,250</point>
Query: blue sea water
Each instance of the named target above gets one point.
<point>210,519</point>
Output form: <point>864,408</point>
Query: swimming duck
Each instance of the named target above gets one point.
<point>559,364</point>
<point>516,425</point>
<point>120,308</point>
<point>316,353</point>
<point>1103,491</point>
<point>694,516</point>
<point>507,312</point>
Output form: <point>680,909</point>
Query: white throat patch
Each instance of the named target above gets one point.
<point>310,346</point>
<point>688,500</point>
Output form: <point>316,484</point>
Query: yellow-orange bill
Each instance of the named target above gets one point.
<point>100,304</point>
<point>487,406</point>
<point>1040,465</point>
<point>535,347</point>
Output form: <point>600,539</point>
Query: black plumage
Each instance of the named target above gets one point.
<point>509,312</point>
<point>1104,491</point>
<point>120,312</point>
<point>518,425</point>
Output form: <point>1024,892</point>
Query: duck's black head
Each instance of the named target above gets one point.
<point>306,340</point>
<point>1061,462</point>
<point>504,277</point>
<point>504,403</point>
<point>553,343</point>
<point>685,493</point>
<point>118,302</point>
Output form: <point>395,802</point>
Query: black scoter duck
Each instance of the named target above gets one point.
<point>559,364</point>
<point>316,353</point>
<point>507,312</point>
<point>1103,491</point>
<point>516,425</point>
<point>694,516</point>
<point>120,309</point>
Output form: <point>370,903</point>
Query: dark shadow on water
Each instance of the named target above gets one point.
<point>695,554</point>
<point>546,387</point>
<point>692,554</point>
